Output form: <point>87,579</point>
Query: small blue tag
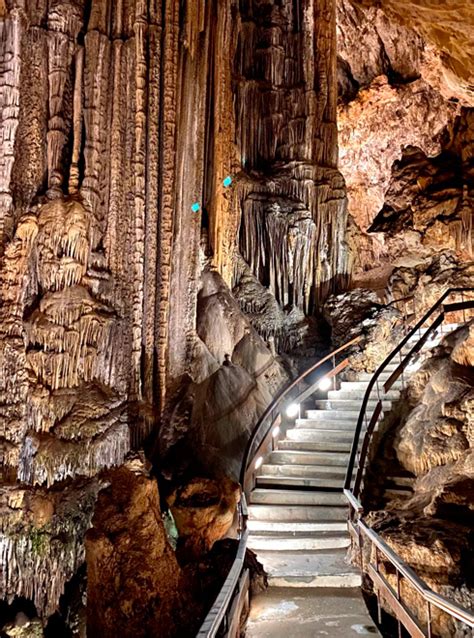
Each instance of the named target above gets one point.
<point>196,207</point>
<point>227,181</point>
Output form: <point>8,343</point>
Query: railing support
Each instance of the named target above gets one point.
<point>363,532</point>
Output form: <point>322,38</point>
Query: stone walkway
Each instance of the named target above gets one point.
<point>307,613</point>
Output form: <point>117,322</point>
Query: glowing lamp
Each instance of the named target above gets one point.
<point>227,181</point>
<point>276,431</point>
<point>196,207</point>
<point>325,384</point>
<point>292,410</point>
<point>258,462</point>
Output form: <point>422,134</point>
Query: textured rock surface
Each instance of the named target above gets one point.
<point>360,313</point>
<point>427,278</point>
<point>291,194</point>
<point>432,439</point>
<point>395,93</point>
<point>204,511</point>
<point>134,580</point>
<point>447,27</point>
<point>41,540</point>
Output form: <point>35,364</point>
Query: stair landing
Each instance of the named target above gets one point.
<point>299,613</point>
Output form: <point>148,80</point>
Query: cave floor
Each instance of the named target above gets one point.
<point>300,613</point>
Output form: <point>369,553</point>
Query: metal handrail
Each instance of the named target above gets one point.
<point>438,600</point>
<point>374,380</point>
<point>267,417</point>
<point>360,527</point>
<point>216,615</point>
<point>218,611</point>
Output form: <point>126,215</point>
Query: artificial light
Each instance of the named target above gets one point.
<point>325,384</point>
<point>292,410</point>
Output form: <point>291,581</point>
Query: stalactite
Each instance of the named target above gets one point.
<point>64,24</point>
<point>151,219</point>
<point>77,121</point>
<point>294,156</point>
<point>10,37</point>
<point>167,178</point>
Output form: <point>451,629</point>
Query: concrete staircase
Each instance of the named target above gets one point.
<point>297,511</point>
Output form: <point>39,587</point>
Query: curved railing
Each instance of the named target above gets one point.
<point>360,531</point>
<point>265,433</point>
<point>223,618</point>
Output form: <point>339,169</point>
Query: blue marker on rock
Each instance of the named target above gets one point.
<point>228,181</point>
<point>196,207</point>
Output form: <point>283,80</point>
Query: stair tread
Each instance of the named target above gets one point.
<point>303,481</point>
<point>300,534</point>
<point>257,525</point>
<point>308,446</point>
<point>330,459</point>
<point>275,512</point>
<point>297,497</point>
<point>306,564</point>
<point>280,469</point>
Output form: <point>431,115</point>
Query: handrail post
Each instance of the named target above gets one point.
<point>403,375</point>
<point>379,607</point>
<point>428,618</point>
<point>334,377</point>
<point>398,598</point>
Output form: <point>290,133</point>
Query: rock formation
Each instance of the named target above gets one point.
<point>399,97</point>
<point>116,119</point>
<point>431,438</point>
<point>174,233</point>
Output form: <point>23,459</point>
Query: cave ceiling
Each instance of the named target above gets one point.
<point>447,26</point>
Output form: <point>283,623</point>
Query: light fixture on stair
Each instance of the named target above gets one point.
<point>258,462</point>
<point>276,431</point>
<point>325,384</point>
<point>293,410</point>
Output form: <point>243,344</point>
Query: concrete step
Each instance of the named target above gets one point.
<point>327,446</point>
<point>306,471</point>
<point>315,434</point>
<point>325,612</point>
<point>348,425</point>
<point>280,527</point>
<point>300,481</point>
<point>309,458</point>
<point>348,386</point>
<point>335,426</point>
<point>358,395</point>
<point>292,513</point>
<point>296,497</point>
<point>296,542</point>
<point>348,404</point>
<point>332,415</point>
<point>365,377</point>
<point>309,569</point>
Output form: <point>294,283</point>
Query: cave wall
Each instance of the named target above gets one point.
<point>116,118</point>
<point>291,194</point>
<point>396,94</point>
<point>109,118</point>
